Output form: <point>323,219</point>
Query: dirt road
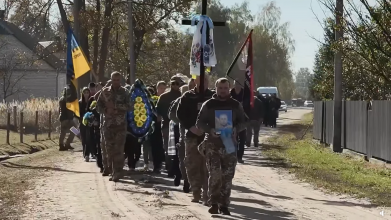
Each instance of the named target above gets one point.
<point>76,190</point>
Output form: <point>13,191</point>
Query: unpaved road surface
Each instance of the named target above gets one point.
<point>75,190</point>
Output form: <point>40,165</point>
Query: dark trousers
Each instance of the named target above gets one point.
<point>241,142</point>
<point>157,149</point>
<point>175,166</point>
<point>273,118</point>
<point>132,150</point>
<point>253,129</point>
<point>98,150</point>
<point>92,135</point>
<point>174,159</point>
<point>85,135</point>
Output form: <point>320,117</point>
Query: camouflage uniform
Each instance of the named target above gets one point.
<point>64,129</point>
<point>221,167</point>
<point>196,168</point>
<point>188,109</point>
<point>114,126</point>
<point>66,120</point>
<point>106,160</point>
<point>220,159</point>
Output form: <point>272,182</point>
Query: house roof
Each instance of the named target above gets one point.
<point>45,43</point>
<point>7,28</point>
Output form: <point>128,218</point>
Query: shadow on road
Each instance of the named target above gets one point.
<point>342,203</point>
<point>247,213</point>
<point>243,189</point>
<point>19,166</point>
<point>146,180</point>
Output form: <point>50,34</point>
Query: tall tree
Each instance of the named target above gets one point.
<point>302,82</point>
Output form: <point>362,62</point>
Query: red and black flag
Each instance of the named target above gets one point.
<point>244,74</point>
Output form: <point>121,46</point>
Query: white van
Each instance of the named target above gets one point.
<point>267,90</point>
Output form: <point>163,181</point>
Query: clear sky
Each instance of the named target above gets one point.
<point>303,25</point>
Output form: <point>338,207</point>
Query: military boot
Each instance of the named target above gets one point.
<point>224,210</point>
<point>106,172</point>
<point>186,186</point>
<point>62,148</point>
<point>214,209</point>
<point>196,196</point>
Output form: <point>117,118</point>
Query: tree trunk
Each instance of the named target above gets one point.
<point>105,38</point>
<point>64,18</point>
<point>96,39</point>
<point>138,41</point>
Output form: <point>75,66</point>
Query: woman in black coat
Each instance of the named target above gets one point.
<point>84,131</point>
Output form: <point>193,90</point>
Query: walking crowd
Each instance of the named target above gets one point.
<point>189,134</point>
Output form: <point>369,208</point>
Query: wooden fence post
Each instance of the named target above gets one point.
<point>50,124</point>
<point>36,125</point>
<point>8,126</point>
<point>21,127</point>
<point>15,111</point>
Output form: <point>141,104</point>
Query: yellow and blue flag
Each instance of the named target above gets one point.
<point>77,65</point>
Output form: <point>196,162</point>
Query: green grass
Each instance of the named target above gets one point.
<point>338,173</point>
<point>30,145</point>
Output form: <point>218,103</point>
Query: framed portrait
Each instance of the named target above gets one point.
<point>223,123</point>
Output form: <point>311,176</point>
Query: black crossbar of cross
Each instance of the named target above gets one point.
<point>202,67</point>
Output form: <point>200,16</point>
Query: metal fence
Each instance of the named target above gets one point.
<point>366,127</point>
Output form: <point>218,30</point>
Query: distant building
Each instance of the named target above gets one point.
<point>29,68</point>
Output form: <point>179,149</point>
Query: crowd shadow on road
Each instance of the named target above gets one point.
<point>147,180</point>
<point>342,203</point>
<point>254,159</point>
<point>247,213</point>
<point>19,166</point>
<point>243,189</point>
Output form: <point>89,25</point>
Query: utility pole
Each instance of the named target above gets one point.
<point>337,136</point>
<point>132,60</point>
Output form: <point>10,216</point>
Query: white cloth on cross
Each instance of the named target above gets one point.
<point>200,41</point>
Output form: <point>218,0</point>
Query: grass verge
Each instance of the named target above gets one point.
<point>17,176</point>
<point>337,173</point>
<point>29,146</point>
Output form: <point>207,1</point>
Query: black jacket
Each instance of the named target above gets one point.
<point>258,111</point>
<point>163,104</point>
<point>83,108</point>
<point>189,106</point>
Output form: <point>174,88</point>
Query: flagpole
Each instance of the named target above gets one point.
<point>251,69</point>
<point>238,54</point>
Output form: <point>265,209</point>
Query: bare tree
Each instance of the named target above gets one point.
<point>13,66</point>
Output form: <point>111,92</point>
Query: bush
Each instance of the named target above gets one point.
<point>29,107</point>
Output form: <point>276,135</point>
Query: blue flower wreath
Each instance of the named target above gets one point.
<point>139,95</point>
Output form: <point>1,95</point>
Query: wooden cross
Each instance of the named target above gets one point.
<point>202,67</point>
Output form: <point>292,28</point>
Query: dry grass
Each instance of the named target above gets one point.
<point>337,173</point>
<point>17,176</point>
<point>29,109</point>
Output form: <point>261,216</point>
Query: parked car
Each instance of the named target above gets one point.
<point>308,104</point>
<point>283,107</point>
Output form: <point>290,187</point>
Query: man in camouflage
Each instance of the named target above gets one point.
<point>188,108</point>
<point>113,103</point>
<point>106,160</point>
<point>66,120</point>
<point>220,157</point>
